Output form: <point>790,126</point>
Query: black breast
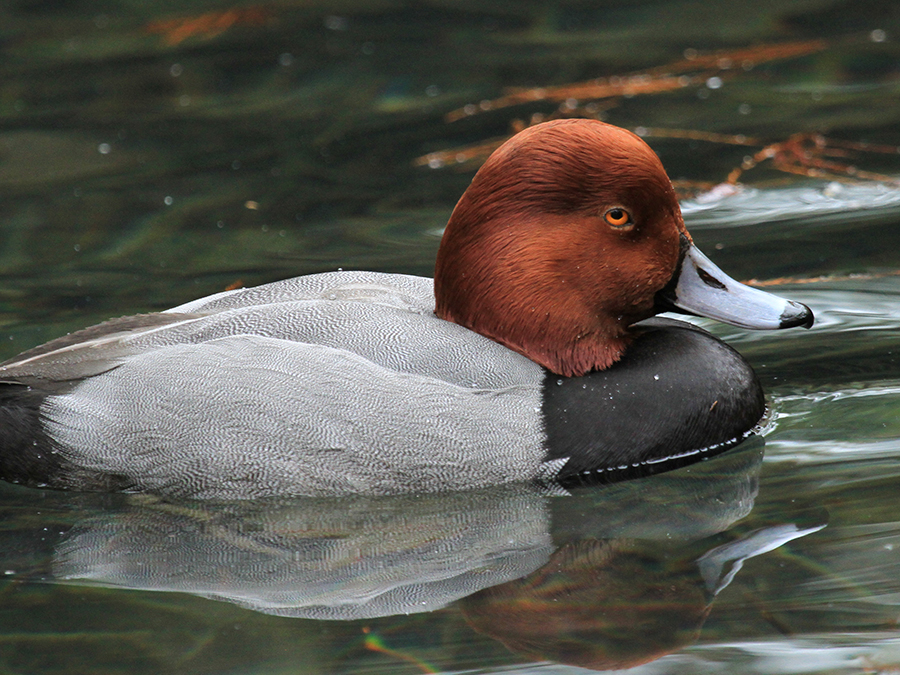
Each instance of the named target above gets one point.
<point>679,394</point>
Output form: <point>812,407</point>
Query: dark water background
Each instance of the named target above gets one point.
<point>154,152</point>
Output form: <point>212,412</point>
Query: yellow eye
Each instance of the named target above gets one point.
<point>618,217</point>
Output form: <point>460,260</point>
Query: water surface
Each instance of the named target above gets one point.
<point>153,152</point>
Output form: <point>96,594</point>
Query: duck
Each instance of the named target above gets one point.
<point>534,355</point>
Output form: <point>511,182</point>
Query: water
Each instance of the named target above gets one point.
<point>155,152</point>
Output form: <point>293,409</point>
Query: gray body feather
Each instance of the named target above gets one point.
<point>334,383</point>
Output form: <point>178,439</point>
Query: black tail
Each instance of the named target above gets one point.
<point>27,454</point>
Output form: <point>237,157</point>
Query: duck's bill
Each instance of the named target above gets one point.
<point>701,288</point>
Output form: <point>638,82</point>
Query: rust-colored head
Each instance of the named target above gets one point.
<point>560,243</point>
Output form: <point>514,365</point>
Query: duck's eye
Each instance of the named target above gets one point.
<point>618,217</point>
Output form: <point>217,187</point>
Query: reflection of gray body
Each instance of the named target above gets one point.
<point>364,557</point>
<point>326,559</point>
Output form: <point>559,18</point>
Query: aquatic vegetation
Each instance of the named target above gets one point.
<point>809,154</point>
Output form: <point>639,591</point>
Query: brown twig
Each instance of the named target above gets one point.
<point>208,25</point>
<point>805,154</point>
<point>828,278</point>
<point>665,78</point>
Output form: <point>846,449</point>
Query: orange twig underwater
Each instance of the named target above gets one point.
<point>471,156</point>
<point>810,154</point>
<point>208,25</point>
<point>570,94</point>
<point>745,59</point>
<point>825,278</point>
<point>693,70</point>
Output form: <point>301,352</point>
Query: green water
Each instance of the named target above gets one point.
<point>154,152</point>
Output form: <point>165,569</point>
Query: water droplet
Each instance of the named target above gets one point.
<point>833,189</point>
<point>333,22</point>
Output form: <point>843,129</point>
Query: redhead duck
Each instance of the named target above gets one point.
<point>530,356</point>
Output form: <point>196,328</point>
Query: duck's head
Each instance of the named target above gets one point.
<point>570,233</point>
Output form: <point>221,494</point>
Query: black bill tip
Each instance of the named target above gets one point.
<point>797,314</point>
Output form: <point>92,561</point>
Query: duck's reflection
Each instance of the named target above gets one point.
<point>322,559</point>
<point>637,567</point>
<point>603,578</point>
<point>596,604</point>
<point>617,603</point>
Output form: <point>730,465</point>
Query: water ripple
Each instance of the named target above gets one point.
<point>825,203</point>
